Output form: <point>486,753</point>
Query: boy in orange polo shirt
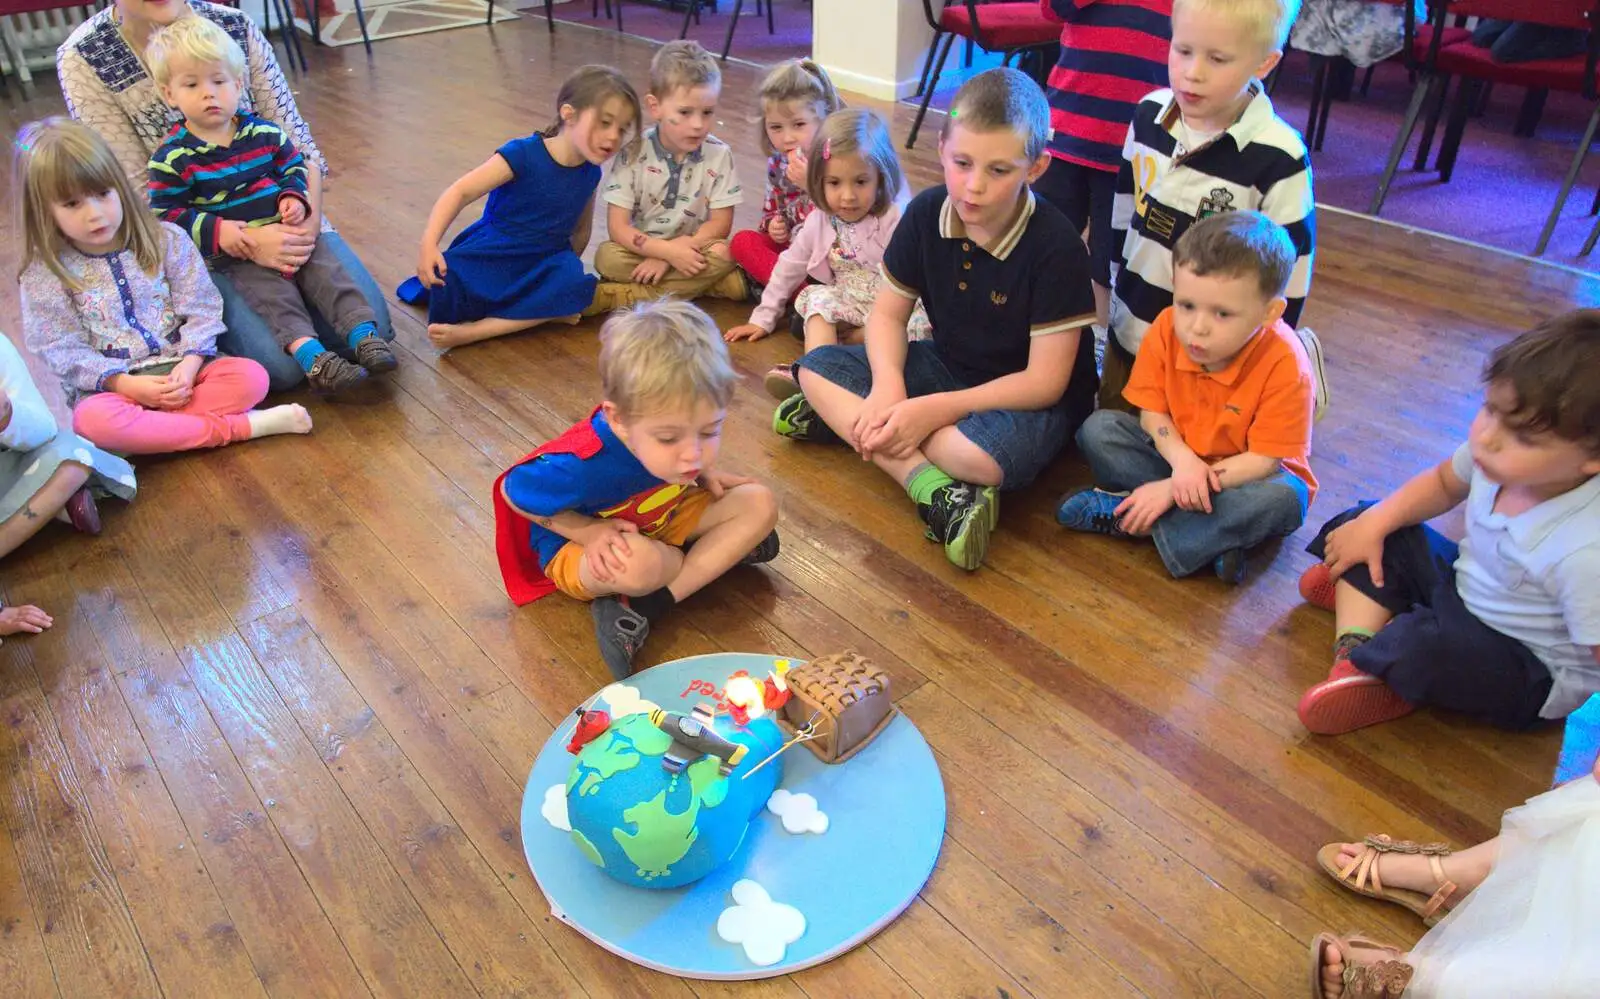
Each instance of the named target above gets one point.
<point>1216,461</point>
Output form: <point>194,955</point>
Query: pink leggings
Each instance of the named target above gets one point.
<point>225,389</point>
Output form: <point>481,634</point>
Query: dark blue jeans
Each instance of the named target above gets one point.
<point>248,335</point>
<point>1123,458</point>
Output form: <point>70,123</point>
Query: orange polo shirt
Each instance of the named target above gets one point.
<point>1261,402</point>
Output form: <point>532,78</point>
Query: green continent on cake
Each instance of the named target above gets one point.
<point>647,827</point>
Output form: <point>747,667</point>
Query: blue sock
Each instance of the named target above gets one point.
<point>360,333</point>
<point>307,353</point>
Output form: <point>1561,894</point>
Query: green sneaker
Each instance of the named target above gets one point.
<point>795,419</point>
<point>961,517</point>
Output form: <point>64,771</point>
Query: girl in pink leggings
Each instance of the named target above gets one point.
<point>120,307</point>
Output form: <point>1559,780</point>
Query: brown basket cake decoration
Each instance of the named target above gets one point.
<point>849,698</point>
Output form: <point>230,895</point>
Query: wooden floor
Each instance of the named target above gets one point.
<point>275,744</point>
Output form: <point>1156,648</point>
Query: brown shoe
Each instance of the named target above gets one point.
<point>375,354</point>
<point>331,374</point>
<point>82,513</point>
<point>609,296</point>
<point>733,287</point>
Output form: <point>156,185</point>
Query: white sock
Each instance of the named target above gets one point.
<point>291,418</point>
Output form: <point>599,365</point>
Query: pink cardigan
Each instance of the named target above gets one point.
<point>807,254</point>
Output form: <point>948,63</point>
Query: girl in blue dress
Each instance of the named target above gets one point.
<point>517,266</point>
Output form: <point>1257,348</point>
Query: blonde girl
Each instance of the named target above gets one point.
<point>853,175</point>
<point>517,266</point>
<point>120,306</point>
<point>795,98</point>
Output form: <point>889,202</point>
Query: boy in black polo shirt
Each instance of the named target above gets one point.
<point>1009,372</point>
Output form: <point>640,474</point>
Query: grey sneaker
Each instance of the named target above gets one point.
<point>331,374</point>
<point>375,354</point>
<point>620,632</point>
<point>961,516</point>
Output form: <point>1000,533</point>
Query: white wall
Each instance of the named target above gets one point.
<point>873,47</point>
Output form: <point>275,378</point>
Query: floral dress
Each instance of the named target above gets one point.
<point>1363,31</point>
<point>848,300</point>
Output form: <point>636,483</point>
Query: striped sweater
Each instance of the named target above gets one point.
<point>195,184</point>
<point>1113,52</point>
<point>1259,163</point>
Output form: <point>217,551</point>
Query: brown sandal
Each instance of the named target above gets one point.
<point>1361,875</point>
<point>1384,978</point>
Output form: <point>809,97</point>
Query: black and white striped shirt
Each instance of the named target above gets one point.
<point>1259,163</point>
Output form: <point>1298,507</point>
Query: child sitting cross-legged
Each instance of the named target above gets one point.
<point>221,171</point>
<point>626,508</point>
<point>1216,461</point>
<point>1506,626</point>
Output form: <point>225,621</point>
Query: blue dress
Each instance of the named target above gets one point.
<point>516,262</point>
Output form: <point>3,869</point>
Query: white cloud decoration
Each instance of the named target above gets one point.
<point>765,928</point>
<point>799,812</point>
<point>554,808</point>
<point>622,700</point>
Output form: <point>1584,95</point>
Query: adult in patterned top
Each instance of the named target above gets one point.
<point>109,88</point>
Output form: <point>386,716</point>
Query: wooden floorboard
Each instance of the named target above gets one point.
<point>275,744</point>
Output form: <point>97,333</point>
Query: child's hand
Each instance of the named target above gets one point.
<point>873,414</point>
<point>717,483</point>
<point>431,267</point>
<point>146,390</point>
<point>1193,482</point>
<point>905,426</point>
<point>1355,542</point>
<point>291,210</point>
<point>795,168</point>
<point>650,271</point>
<point>235,240</point>
<point>24,617</point>
<point>607,547</point>
<point>684,257</point>
<point>745,331</point>
<point>778,229</point>
<point>1144,506</point>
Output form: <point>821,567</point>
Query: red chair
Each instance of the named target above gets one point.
<point>1012,28</point>
<point>1477,68</point>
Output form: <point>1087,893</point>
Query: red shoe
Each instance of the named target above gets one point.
<point>81,512</point>
<point>1349,699</point>
<point>1316,586</point>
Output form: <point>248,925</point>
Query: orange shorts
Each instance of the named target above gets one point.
<point>563,569</point>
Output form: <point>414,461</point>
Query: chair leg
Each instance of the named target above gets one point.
<point>733,22</point>
<point>1455,128</point>
<point>1588,244</point>
<point>927,67</point>
<point>1566,187</point>
<point>927,93</point>
<point>1322,116</point>
<point>689,9</point>
<point>1439,88</point>
<point>1594,207</point>
<point>1319,82</point>
<point>1366,79</point>
<point>361,19</point>
<point>1401,141</point>
<point>1271,81</point>
<point>292,46</point>
<point>549,14</point>
<point>772,29</point>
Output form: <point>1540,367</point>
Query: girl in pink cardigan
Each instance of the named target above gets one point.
<point>854,178</point>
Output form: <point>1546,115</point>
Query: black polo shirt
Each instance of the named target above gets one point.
<point>987,303</point>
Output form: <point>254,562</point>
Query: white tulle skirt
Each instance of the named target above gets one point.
<point>1532,929</point>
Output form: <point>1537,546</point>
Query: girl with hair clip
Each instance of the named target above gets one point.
<point>518,266</point>
<point>795,98</point>
<point>853,175</point>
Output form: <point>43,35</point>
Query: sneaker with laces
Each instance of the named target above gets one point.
<point>961,516</point>
<point>1317,586</point>
<point>1349,699</point>
<point>1319,372</point>
<point>375,354</point>
<point>1092,510</point>
<point>620,632</point>
<point>795,419</point>
<point>331,374</point>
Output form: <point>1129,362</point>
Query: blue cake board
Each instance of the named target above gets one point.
<point>1581,742</point>
<point>886,815</point>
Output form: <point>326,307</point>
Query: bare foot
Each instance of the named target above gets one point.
<point>446,335</point>
<point>1412,871</point>
<point>290,418</point>
<point>1332,972</point>
<point>1379,971</point>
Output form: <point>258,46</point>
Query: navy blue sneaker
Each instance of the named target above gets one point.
<point>1230,566</point>
<point>1092,510</point>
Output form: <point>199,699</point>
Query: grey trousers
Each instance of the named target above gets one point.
<point>281,302</point>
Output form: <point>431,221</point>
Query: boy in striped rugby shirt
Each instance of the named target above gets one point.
<point>220,172</point>
<point>1211,143</point>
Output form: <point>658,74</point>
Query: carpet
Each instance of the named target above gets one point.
<point>395,20</point>
<point>790,38</point>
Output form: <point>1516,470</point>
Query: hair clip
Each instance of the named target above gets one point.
<point>21,146</point>
<point>827,149</point>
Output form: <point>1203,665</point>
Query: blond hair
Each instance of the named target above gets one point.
<point>1003,99</point>
<point>663,355</point>
<point>865,134</point>
<point>1264,22</point>
<point>59,160</point>
<point>797,81</point>
<point>682,65</point>
<point>591,87</point>
<point>197,40</point>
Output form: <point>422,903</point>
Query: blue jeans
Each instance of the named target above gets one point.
<point>1123,458</point>
<point>248,335</point>
<point>1021,441</point>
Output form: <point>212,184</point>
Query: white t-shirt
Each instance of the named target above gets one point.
<point>666,198</point>
<point>1535,577</point>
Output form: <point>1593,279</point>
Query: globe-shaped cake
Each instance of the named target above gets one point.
<point>647,826</point>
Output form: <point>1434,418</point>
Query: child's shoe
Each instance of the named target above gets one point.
<point>331,374</point>
<point>795,419</point>
<point>797,325</point>
<point>732,287</point>
<point>1230,566</point>
<point>961,516</point>
<point>1316,586</point>
<point>609,296</point>
<point>766,551</point>
<point>1092,510</point>
<point>781,383</point>
<point>375,354</point>
<point>620,632</point>
<point>81,512</point>
<point>1349,699</point>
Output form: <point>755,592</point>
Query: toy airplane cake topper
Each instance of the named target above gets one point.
<point>693,737</point>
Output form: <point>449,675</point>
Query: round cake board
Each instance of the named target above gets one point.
<point>885,813</point>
